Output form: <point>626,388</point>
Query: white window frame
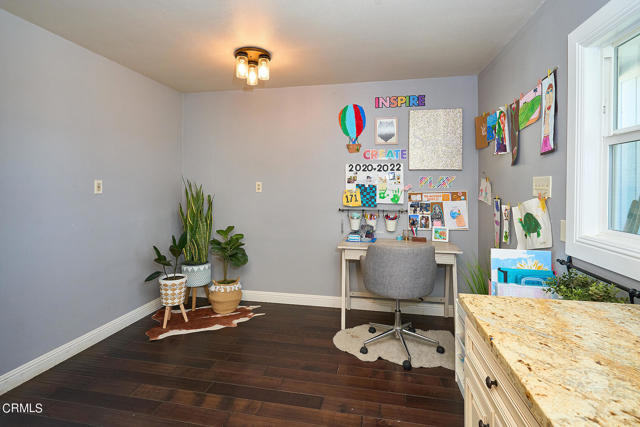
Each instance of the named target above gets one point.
<point>589,134</point>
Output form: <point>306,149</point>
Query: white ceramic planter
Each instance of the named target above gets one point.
<point>197,275</point>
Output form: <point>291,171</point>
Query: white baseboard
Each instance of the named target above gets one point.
<point>48,360</point>
<point>429,309</point>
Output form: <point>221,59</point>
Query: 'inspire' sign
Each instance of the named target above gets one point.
<point>400,101</point>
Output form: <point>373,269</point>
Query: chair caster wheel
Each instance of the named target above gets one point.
<point>364,350</point>
<point>411,329</point>
<point>372,330</point>
<point>406,365</point>
<point>440,349</point>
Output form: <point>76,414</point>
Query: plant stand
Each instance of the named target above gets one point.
<point>193,295</point>
<point>167,315</point>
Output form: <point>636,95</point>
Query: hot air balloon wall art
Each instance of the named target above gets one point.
<point>352,122</point>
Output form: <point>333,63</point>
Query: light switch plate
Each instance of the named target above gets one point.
<point>541,186</point>
<point>97,186</point>
<point>258,187</point>
<point>563,230</point>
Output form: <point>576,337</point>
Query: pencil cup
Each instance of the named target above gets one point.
<point>391,224</point>
<point>354,220</point>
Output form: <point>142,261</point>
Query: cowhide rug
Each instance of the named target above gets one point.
<point>423,355</point>
<point>202,319</point>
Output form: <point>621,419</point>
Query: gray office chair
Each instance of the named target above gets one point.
<point>399,271</point>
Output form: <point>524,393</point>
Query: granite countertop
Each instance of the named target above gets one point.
<point>578,363</point>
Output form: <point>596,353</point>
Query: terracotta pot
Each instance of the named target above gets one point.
<point>225,298</point>
<point>353,148</point>
<point>172,291</point>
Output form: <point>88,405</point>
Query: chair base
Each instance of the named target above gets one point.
<point>400,330</point>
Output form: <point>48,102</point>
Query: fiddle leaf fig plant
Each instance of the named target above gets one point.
<point>230,250</point>
<point>175,249</point>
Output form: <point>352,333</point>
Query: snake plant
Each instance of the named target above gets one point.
<point>197,224</point>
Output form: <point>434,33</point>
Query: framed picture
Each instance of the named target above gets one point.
<point>440,234</point>
<point>386,131</point>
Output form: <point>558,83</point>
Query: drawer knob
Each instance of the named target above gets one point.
<point>481,424</point>
<point>490,383</point>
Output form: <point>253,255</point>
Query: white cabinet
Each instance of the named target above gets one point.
<point>491,399</point>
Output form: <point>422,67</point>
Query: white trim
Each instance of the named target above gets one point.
<point>588,237</point>
<point>423,308</point>
<point>48,360</point>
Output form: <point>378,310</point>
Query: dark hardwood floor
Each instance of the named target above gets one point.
<point>277,369</point>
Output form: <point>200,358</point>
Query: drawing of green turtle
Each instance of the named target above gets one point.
<point>530,225</point>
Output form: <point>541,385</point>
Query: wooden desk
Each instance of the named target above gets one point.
<point>445,255</point>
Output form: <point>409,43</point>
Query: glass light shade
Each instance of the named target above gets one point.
<point>263,68</point>
<point>242,66</point>
<point>252,77</point>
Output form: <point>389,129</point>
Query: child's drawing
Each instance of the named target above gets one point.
<point>502,132</point>
<point>548,114</point>
<point>530,107</point>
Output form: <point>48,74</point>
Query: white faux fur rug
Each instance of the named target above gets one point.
<point>423,355</point>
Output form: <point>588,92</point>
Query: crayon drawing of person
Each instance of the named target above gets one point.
<point>501,133</point>
<point>547,144</point>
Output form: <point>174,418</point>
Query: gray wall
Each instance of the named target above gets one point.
<point>71,261</point>
<point>290,140</point>
<point>541,44</point>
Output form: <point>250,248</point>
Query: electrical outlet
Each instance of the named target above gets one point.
<point>258,187</point>
<point>563,230</point>
<point>97,186</point>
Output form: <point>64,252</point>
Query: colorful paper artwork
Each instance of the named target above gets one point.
<point>530,107</point>
<point>532,224</point>
<point>520,273</point>
<point>386,130</point>
<point>484,194</point>
<point>443,209</point>
<point>548,114</point>
<point>455,215</point>
<point>388,178</point>
<point>491,127</point>
<point>502,145</point>
<point>506,223</point>
<point>351,198</point>
<point>368,195</point>
<point>497,213</point>
<point>514,132</point>
<point>400,101</point>
<point>445,182</point>
<point>481,132</point>
<point>440,234</point>
<point>352,121</point>
<point>435,139</point>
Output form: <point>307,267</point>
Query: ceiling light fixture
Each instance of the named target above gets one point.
<point>252,63</point>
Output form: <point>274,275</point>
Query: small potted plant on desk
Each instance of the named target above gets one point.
<point>197,224</point>
<point>172,287</point>
<point>225,294</point>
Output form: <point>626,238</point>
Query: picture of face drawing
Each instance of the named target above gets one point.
<point>548,102</point>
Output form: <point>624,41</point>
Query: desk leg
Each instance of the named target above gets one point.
<point>343,265</point>
<point>348,284</point>
<point>454,273</point>
<point>447,284</point>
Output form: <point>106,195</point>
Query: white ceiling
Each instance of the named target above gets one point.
<point>189,44</point>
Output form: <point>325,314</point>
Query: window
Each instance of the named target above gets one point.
<point>603,139</point>
<point>624,152</point>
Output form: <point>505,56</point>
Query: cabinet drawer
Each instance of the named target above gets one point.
<point>482,409</point>
<point>504,394</point>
